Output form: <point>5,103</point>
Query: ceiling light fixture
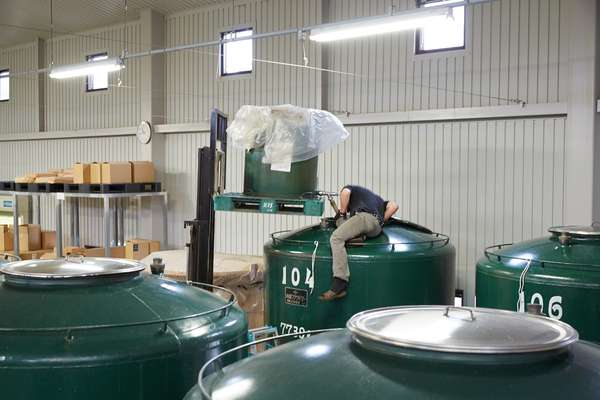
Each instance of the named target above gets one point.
<point>87,68</point>
<point>379,25</point>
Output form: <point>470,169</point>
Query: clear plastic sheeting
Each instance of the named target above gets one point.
<point>287,133</point>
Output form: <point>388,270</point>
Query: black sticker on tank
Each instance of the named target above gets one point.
<point>296,297</point>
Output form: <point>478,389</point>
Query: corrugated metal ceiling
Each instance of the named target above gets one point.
<point>24,20</point>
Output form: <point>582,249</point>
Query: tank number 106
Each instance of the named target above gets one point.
<point>295,276</point>
<point>555,309</point>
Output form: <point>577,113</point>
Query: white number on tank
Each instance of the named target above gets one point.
<point>295,277</point>
<point>555,309</point>
<point>289,328</point>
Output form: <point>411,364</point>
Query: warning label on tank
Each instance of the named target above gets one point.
<point>296,297</point>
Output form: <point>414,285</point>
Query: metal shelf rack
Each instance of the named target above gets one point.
<point>61,197</point>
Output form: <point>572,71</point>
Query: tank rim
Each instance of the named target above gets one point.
<point>496,257</point>
<point>70,268</point>
<point>224,309</point>
<point>362,336</point>
<point>437,238</point>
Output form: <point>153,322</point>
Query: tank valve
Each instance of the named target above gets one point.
<point>564,239</point>
<point>157,267</point>
<point>534,309</point>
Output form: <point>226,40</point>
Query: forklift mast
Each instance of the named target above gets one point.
<point>212,162</point>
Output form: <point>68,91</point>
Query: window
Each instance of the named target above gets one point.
<point>4,85</point>
<point>99,80</point>
<point>446,35</point>
<point>236,57</point>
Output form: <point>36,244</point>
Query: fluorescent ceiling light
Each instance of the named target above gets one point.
<point>87,68</point>
<point>378,25</point>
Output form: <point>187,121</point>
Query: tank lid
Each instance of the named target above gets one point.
<point>70,267</point>
<point>577,230</point>
<point>459,330</point>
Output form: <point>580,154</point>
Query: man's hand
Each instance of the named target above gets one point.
<point>390,210</point>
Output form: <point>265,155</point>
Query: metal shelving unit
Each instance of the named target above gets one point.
<point>61,197</point>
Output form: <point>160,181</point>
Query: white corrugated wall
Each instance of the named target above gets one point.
<point>69,107</point>
<point>20,114</point>
<point>193,86</point>
<point>515,50</point>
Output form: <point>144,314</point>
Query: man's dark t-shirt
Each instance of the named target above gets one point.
<point>364,200</point>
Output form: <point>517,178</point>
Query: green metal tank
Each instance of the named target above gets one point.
<point>96,328</point>
<point>419,353</point>
<point>560,272</point>
<point>261,180</point>
<point>406,265</point>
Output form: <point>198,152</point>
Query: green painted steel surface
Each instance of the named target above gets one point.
<point>564,279</point>
<point>402,266</point>
<point>331,366</point>
<point>260,180</point>
<point>115,349</point>
<point>243,203</point>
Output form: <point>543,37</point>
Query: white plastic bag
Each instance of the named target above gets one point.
<point>248,129</point>
<point>288,133</point>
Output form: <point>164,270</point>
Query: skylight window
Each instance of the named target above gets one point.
<point>4,85</point>
<point>442,36</point>
<point>236,57</point>
<point>99,80</point>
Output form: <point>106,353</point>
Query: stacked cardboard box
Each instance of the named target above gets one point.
<point>52,176</point>
<point>114,172</point>
<point>6,238</point>
<point>136,249</point>
<point>30,237</point>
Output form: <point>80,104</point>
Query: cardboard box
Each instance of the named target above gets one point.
<point>48,240</point>
<point>32,254</point>
<point>30,237</point>
<point>25,179</point>
<point>143,171</point>
<point>136,249</point>
<point>116,172</point>
<point>71,250</point>
<point>6,237</point>
<point>93,251</point>
<point>81,173</point>
<point>95,172</point>
<point>53,179</point>
<point>117,252</point>
<point>48,256</point>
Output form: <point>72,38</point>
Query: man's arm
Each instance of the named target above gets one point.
<point>344,200</point>
<point>390,210</point>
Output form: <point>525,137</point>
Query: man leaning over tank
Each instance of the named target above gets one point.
<point>361,213</point>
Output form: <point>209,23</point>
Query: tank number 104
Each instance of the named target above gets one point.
<point>295,276</point>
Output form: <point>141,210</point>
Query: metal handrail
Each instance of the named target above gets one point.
<point>207,396</point>
<point>489,255</point>
<point>69,329</point>
<point>439,238</point>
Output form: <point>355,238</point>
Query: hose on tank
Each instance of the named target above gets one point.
<point>521,292</point>
<point>311,281</point>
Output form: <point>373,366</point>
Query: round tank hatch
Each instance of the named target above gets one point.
<point>69,269</point>
<point>458,330</point>
<point>565,233</point>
